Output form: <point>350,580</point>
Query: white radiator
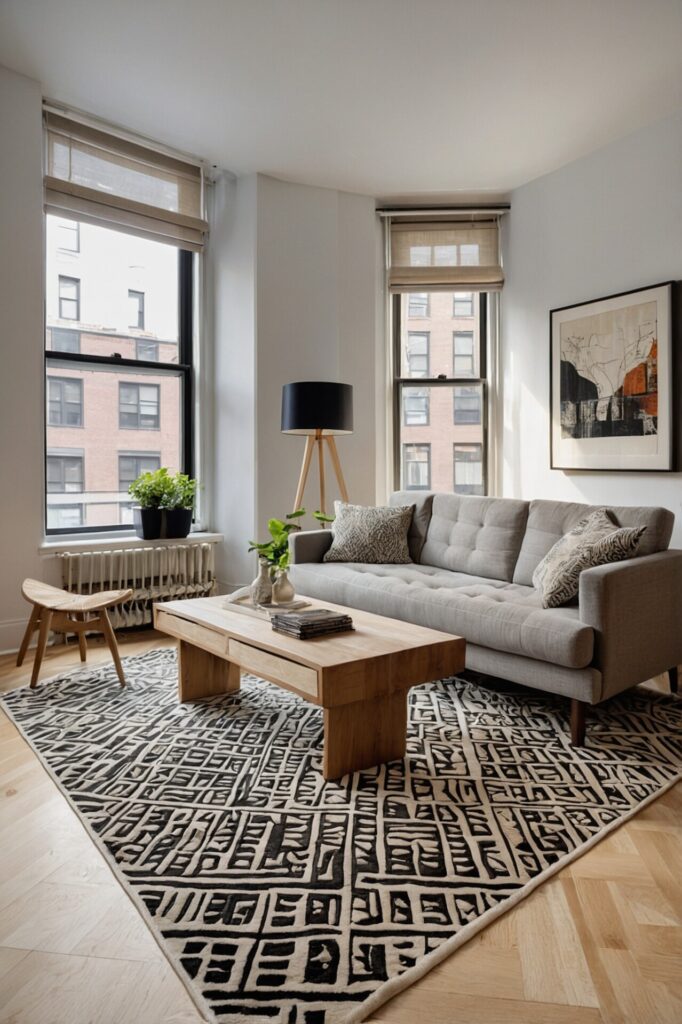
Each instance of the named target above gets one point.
<point>153,574</point>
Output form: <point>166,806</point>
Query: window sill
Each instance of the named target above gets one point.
<point>116,540</point>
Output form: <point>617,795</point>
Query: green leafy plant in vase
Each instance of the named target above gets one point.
<point>272,582</point>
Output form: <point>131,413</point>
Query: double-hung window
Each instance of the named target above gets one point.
<point>121,255</point>
<point>440,422</point>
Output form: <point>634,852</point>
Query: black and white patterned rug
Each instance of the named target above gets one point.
<point>285,899</point>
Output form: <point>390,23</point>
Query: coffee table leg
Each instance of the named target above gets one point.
<point>202,674</point>
<point>364,734</point>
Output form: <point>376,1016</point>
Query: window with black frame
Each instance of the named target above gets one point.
<point>119,322</point>
<point>440,275</point>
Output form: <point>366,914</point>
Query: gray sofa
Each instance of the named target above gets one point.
<point>471,574</point>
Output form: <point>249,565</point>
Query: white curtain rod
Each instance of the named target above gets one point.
<point>441,211</point>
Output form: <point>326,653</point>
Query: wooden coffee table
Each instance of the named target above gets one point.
<point>360,679</point>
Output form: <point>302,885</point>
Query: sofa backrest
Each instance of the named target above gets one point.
<point>548,521</point>
<point>504,538</point>
<point>479,536</point>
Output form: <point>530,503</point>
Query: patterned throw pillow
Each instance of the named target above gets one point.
<point>596,540</point>
<point>370,534</point>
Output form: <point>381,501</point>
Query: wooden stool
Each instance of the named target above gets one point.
<point>69,613</point>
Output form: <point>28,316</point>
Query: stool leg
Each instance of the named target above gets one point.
<point>110,636</point>
<point>42,644</point>
<point>82,643</point>
<point>32,624</point>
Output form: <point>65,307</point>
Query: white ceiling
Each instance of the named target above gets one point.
<point>384,97</point>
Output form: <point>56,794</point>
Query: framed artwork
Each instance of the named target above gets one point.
<point>611,383</point>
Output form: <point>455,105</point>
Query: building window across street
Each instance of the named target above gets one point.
<point>467,405</point>
<point>138,406</point>
<point>64,517</point>
<point>136,309</point>
<point>148,350</point>
<point>69,298</point>
<point>463,304</point>
<point>133,464</point>
<point>418,304</point>
<point>463,353</point>
<point>417,467</point>
<point>64,472</point>
<point>418,354</point>
<point>64,402</point>
<point>63,339</point>
<point>415,407</point>
<point>468,468</point>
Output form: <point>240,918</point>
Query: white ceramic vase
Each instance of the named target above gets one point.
<point>261,588</point>
<point>283,588</point>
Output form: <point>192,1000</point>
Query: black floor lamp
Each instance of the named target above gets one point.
<point>319,410</point>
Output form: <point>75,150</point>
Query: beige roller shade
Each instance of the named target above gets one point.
<point>104,179</point>
<point>444,256</point>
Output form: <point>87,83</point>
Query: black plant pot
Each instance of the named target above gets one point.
<point>177,522</point>
<point>147,522</point>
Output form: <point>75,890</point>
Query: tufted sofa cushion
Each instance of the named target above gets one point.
<point>489,613</point>
<point>480,536</point>
<point>548,521</point>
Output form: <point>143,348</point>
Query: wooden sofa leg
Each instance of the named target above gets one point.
<point>674,679</point>
<point>578,709</point>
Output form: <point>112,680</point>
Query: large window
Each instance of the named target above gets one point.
<point>468,468</point>
<point>64,402</point>
<point>445,410</point>
<point>138,406</point>
<point>417,467</point>
<point>116,284</point>
<point>69,298</point>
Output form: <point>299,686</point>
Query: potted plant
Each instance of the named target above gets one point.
<point>178,506</point>
<point>165,503</point>
<point>273,583</point>
<point>149,491</point>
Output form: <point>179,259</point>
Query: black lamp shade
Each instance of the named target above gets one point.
<point>311,405</point>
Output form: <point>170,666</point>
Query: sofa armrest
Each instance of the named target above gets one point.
<point>309,545</point>
<point>635,608</point>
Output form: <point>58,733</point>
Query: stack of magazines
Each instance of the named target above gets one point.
<point>313,623</point>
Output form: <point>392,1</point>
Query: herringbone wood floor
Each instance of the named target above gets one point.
<point>601,942</point>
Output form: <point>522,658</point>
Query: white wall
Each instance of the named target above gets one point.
<point>231,258</point>
<point>294,271</point>
<point>21,385</point>
<point>607,223</point>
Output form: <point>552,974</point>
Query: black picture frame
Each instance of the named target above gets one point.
<point>653,452</point>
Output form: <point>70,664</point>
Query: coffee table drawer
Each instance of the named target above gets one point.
<point>270,666</point>
<point>201,636</point>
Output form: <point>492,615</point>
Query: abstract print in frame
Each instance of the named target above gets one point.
<point>611,383</point>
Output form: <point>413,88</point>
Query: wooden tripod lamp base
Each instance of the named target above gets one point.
<point>318,409</point>
<point>318,440</point>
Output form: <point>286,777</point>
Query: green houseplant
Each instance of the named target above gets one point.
<point>272,581</point>
<point>164,504</point>
<point>178,506</point>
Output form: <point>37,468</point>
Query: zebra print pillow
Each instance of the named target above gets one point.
<point>596,540</point>
<point>370,534</point>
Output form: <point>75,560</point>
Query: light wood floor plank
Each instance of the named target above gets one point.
<point>600,944</point>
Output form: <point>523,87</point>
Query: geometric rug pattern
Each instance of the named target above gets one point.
<point>285,899</point>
